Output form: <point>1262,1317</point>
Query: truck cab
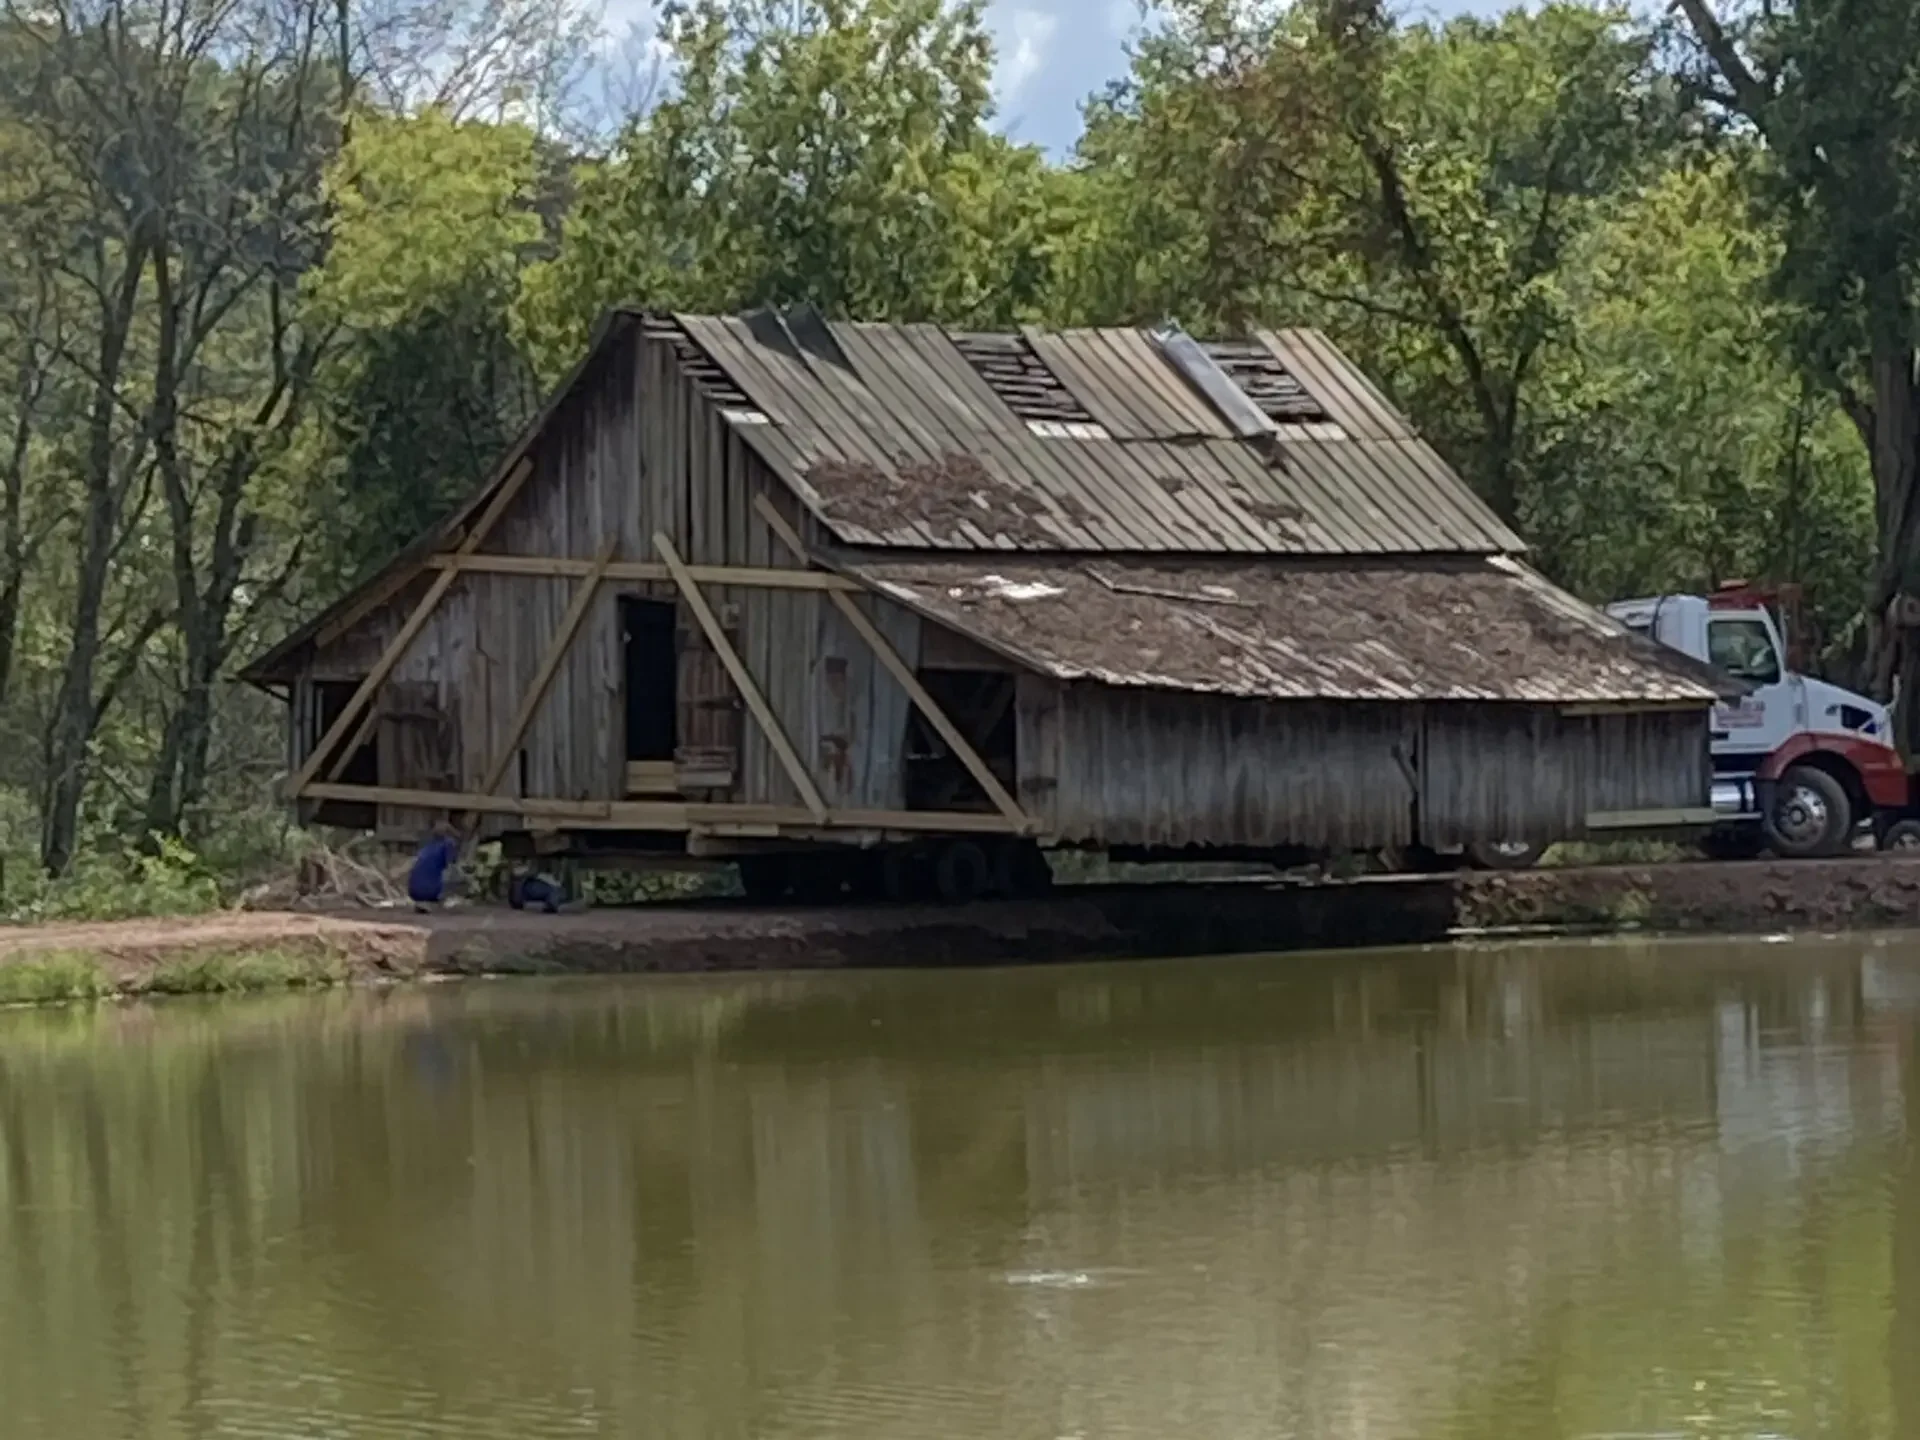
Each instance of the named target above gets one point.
<point>1799,764</point>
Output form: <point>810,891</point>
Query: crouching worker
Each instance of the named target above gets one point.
<point>427,880</point>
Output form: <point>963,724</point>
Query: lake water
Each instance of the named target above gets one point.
<point>1625,1190</point>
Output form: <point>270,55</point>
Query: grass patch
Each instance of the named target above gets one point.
<point>65,975</point>
<point>227,972</point>
<point>55,976</point>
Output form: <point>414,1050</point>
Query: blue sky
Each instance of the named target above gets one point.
<point>1052,54</point>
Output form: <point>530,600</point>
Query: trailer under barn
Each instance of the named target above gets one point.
<point>774,584</point>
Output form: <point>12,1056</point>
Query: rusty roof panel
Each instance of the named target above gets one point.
<point>1483,630</point>
<point>909,444</point>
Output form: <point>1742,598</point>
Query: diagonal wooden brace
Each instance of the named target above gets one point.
<point>749,691</point>
<point>902,672</point>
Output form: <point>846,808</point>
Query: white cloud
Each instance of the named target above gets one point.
<point>1023,38</point>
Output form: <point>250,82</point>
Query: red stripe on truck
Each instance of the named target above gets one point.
<point>1881,771</point>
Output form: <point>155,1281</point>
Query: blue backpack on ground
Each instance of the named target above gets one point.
<point>534,892</point>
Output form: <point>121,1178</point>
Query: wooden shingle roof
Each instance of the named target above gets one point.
<point>905,435</point>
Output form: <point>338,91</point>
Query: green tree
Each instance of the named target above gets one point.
<point>434,222</point>
<point>1832,89</point>
<point>1416,191</point>
<point>834,153</point>
<point>1696,453</point>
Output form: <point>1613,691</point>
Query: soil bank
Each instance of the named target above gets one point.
<point>1076,923</point>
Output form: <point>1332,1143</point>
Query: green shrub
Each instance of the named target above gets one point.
<point>115,885</point>
<point>56,975</point>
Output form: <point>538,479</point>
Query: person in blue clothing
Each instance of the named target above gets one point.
<point>533,891</point>
<point>427,880</point>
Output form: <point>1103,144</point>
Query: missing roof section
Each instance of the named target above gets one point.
<point>1265,381</point>
<point>1014,371</point>
<point>708,377</point>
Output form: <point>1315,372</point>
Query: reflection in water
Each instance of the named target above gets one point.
<point>1556,1192</point>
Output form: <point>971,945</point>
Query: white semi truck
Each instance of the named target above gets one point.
<point>1799,765</point>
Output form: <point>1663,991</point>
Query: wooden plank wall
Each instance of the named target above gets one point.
<point>1121,767</point>
<point>637,449</point>
<point>1527,773</point>
<point>1142,767</point>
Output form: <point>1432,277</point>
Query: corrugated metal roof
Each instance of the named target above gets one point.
<point>1489,629</point>
<point>895,437</point>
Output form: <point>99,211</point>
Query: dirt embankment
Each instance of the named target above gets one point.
<point>1749,896</point>
<point>250,950</point>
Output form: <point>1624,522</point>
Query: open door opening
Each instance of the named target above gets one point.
<point>362,768</point>
<point>980,705</point>
<point>652,676</point>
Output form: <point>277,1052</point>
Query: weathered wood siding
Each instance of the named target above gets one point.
<point>1142,767</point>
<point>634,450</point>
<point>1135,767</point>
<point>1530,773</point>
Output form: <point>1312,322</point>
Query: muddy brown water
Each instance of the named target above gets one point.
<point>1567,1191</point>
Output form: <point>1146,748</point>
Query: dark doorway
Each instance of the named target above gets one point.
<point>980,705</point>
<point>362,768</point>
<point>652,674</point>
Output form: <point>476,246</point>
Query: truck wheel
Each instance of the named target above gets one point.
<point>1902,835</point>
<point>1810,816</point>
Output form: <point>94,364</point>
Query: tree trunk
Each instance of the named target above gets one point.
<point>1893,438</point>
<point>13,540</point>
<point>74,711</point>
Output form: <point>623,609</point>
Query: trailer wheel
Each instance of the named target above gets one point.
<point>1505,854</point>
<point>963,872</point>
<point>1810,816</point>
<point>1902,835</point>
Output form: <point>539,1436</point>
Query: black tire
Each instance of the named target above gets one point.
<point>963,873</point>
<point>763,877</point>
<point>1809,816</point>
<point>1505,854</point>
<point>1020,870</point>
<point>1902,836</point>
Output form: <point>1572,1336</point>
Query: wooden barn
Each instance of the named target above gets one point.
<point>753,585</point>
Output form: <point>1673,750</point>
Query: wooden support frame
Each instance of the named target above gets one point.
<point>719,816</point>
<point>889,657</point>
<point>747,577</point>
<point>557,648</point>
<point>383,667</point>
<point>402,577</point>
<point>749,691</point>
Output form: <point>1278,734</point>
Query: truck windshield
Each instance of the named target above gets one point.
<point>1744,649</point>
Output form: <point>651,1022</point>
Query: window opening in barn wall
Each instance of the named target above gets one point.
<point>980,705</point>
